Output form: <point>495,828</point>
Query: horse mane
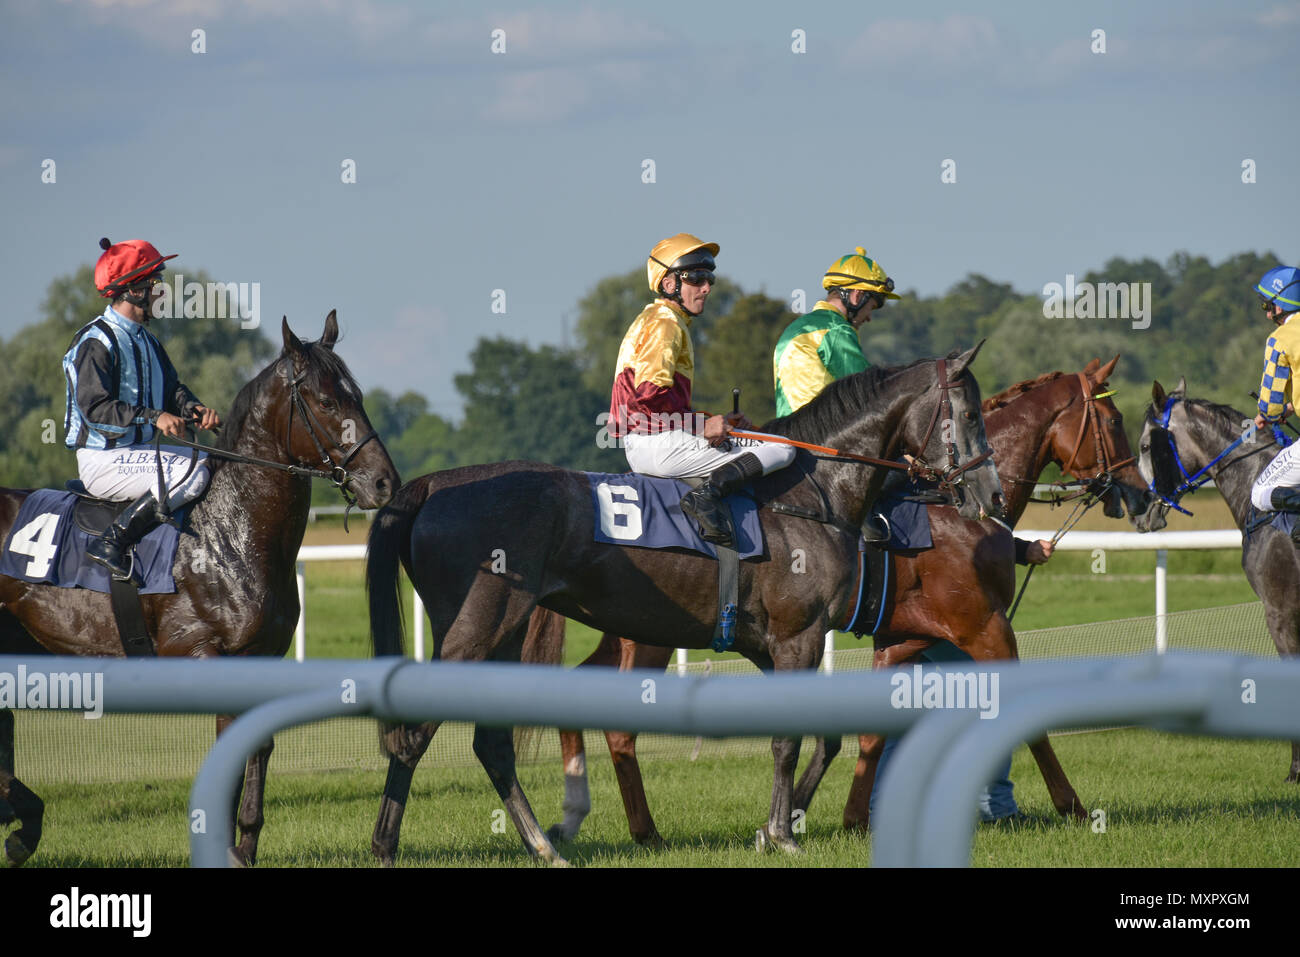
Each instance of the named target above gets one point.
<point>837,405</point>
<point>323,365</point>
<point>1008,395</point>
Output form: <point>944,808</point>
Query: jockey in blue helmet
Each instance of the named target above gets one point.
<point>1278,486</point>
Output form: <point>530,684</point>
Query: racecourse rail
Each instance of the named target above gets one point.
<point>927,806</point>
<point>1076,541</point>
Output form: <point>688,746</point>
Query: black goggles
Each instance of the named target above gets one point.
<point>696,277</point>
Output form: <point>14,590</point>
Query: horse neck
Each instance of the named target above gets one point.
<point>850,486</point>
<point>1019,433</point>
<point>1233,479</point>
<point>258,507</point>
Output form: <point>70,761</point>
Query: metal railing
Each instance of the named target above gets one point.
<point>927,806</point>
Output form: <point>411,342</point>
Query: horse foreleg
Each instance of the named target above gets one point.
<point>622,749</point>
<point>577,794</point>
<point>998,641</point>
<point>495,749</point>
<point>250,817</point>
<point>1294,776</point>
<point>405,745</point>
<point>812,776</point>
<point>17,801</point>
<point>857,810</point>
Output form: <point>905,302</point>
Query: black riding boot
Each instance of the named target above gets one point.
<point>1288,500</point>
<point>111,548</point>
<point>705,505</point>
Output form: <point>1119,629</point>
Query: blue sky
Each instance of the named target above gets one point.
<point>522,171</point>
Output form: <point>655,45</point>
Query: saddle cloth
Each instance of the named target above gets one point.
<point>635,509</point>
<point>47,546</point>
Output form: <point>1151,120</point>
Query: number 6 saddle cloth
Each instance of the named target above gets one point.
<point>47,546</point>
<point>639,510</point>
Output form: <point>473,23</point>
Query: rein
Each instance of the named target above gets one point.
<point>1106,467</point>
<point>947,479</point>
<point>1191,483</point>
<point>337,473</point>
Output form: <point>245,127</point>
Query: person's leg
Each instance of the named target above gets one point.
<point>132,473</point>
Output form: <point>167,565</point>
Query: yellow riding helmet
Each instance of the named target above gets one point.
<point>857,271</point>
<point>682,251</point>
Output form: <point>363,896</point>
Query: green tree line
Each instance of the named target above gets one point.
<point>544,403</point>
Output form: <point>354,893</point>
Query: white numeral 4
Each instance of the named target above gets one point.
<point>36,539</point>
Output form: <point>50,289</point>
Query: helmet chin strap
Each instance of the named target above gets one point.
<point>850,311</point>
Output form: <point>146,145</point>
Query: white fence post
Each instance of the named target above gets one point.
<point>300,633</point>
<point>1162,600</point>
<point>681,662</point>
<point>828,657</point>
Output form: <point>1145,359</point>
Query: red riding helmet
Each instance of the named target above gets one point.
<point>123,264</point>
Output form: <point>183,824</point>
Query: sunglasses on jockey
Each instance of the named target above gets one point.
<point>696,277</point>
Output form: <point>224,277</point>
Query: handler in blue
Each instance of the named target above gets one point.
<point>120,387</point>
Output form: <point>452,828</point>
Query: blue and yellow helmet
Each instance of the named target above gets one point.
<point>1280,286</point>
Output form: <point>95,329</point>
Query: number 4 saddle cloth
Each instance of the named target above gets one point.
<point>47,546</point>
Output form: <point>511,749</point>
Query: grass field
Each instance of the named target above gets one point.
<point>1170,801</point>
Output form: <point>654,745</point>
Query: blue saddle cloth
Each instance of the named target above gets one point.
<point>635,509</point>
<point>51,549</point>
<point>909,523</point>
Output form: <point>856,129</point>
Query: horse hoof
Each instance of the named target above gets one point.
<point>16,851</point>
<point>652,841</point>
<point>857,824</point>
<point>235,858</point>
<point>556,833</point>
<point>765,840</point>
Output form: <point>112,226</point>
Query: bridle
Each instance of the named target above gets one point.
<point>336,472</point>
<point>1194,481</point>
<point>1103,477</point>
<point>947,479</point>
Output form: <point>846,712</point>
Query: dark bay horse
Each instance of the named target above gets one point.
<point>959,590</point>
<point>1196,433</point>
<point>236,592</point>
<point>446,528</point>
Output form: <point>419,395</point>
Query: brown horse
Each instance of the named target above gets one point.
<point>959,590</point>
<point>236,590</point>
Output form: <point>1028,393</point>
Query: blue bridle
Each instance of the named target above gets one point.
<point>1192,482</point>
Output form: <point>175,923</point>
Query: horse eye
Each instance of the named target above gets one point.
<point>970,416</point>
<point>328,404</point>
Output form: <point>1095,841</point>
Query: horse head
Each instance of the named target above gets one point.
<point>944,428</point>
<point>1161,461</point>
<point>1088,441</point>
<point>305,409</point>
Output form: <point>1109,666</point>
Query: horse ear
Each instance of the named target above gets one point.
<point>331,333</point>
<point>962,362</point>
<point>1182,386</point>
<point>292,344</point>
<point>1104,372</point>
<point>1091,367</point>
<point>1158,394</point>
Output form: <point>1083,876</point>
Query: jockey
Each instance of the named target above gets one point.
<point>1278,485</point>
<point>650,403</point>
<point>823,346</point>
<point>120,387</point>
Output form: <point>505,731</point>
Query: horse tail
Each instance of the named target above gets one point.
<point>389,543</point>
<point>543,645</point>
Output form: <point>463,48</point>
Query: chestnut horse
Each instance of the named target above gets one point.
<point>236,588</point>
<point>445,529</point>
<point>959,590</point>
